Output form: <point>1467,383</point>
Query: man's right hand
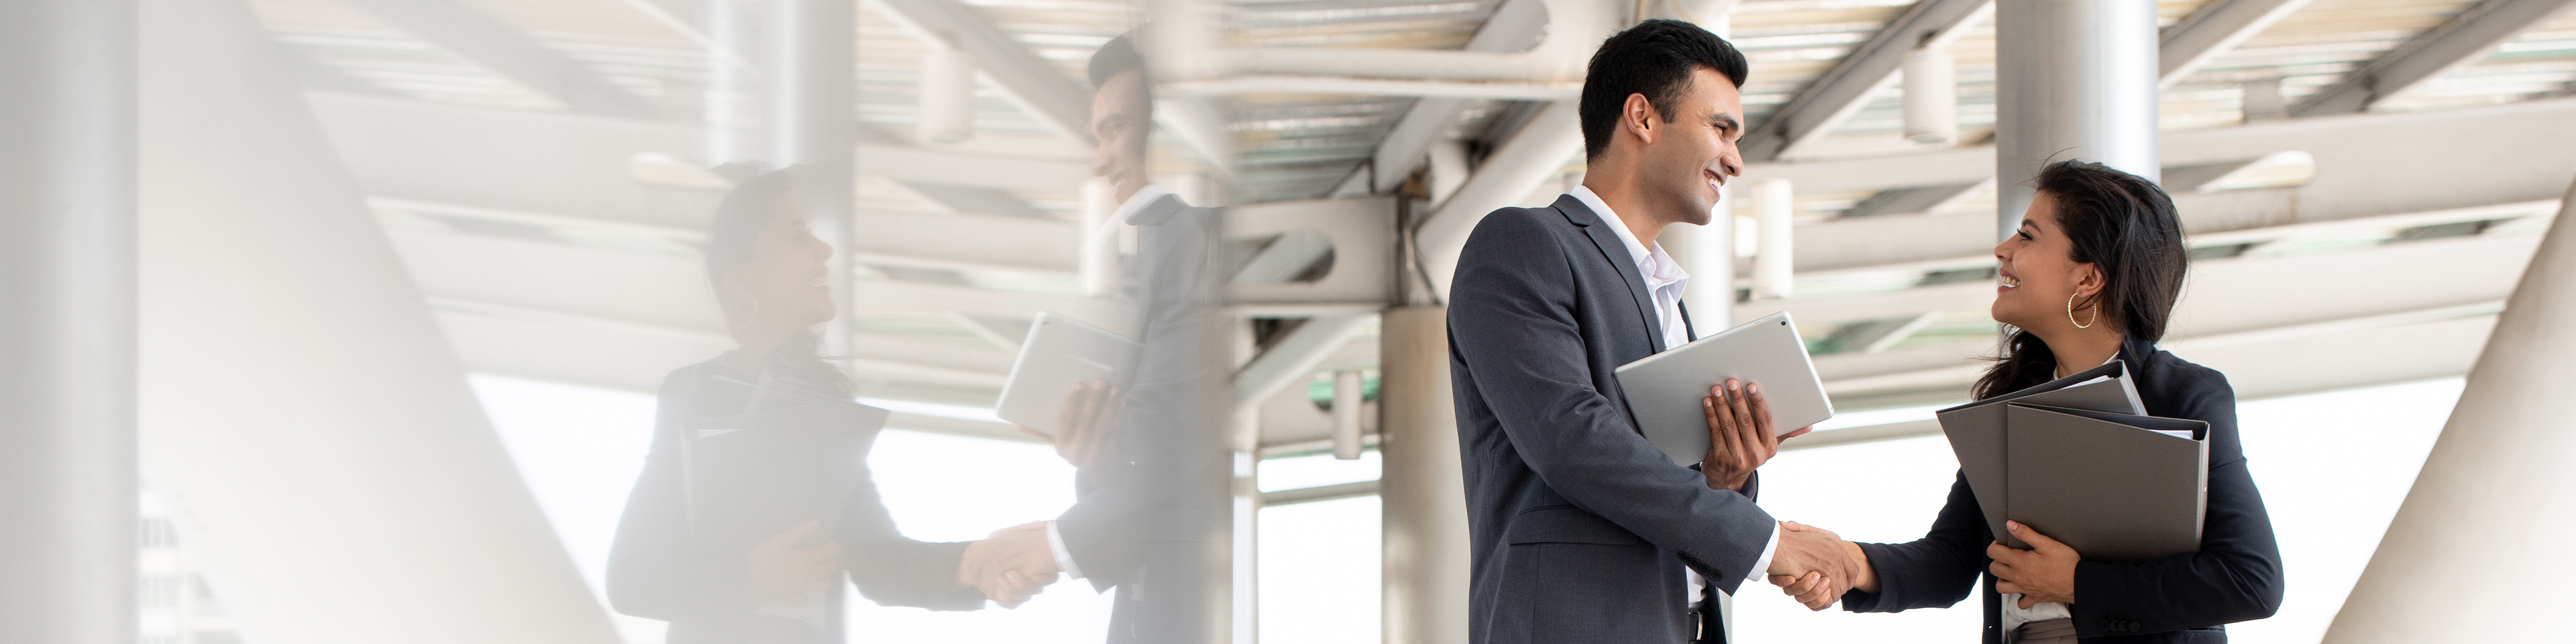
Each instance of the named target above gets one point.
<point>1812,565</point>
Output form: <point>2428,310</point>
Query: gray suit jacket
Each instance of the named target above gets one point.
<point>1580,528</point>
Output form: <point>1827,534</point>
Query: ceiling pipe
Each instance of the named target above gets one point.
<point>1575,28</point>
<point>1538,152</point>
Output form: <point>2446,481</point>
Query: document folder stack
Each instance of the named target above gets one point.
<point>752,476</point>
<point>2078,459</point>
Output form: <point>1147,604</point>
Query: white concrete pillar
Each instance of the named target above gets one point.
<point>1931,78</point>
<point>811,82</point>
<point>1349,394</point>
<point>2074,79</point>
<point>67,289</point>
<point>1708,254</point>
<point>2496,498</point>
<point>300,408</point>
<point>732,102</point>
<point>1772,260</point>
<point>1423,491</point>
<point>947,93</point>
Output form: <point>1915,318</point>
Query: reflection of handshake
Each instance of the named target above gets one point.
<point>1816,566</point>
<point>1011,565</point>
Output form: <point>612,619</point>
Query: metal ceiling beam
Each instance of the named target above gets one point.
<point>2458,159</point>
<point>1515,26</point>
<point>2214,29</point>
<point>1033,83</point>
<point>1293,357</point>
<point>2464,39</point>
<point>1846,88</point>
<point>582,165</point>
<point>2231,295</point>
<point>450,25</point>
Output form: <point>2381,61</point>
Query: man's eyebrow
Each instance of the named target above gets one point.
<point>1725,121</point>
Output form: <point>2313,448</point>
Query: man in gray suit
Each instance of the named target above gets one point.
<point>1581,530</point>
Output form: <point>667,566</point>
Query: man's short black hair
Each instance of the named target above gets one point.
<point>1115,57</point>
<point>1654,58</point>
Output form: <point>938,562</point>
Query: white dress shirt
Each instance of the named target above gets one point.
<point>1665,279</point>
<point>2013,614</point>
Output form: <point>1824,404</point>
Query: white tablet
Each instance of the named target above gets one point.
<point>1060,354</point>
<point>1664,390</point>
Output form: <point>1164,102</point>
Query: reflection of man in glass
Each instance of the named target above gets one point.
<point>714,583</point>
<point>1150,516</point>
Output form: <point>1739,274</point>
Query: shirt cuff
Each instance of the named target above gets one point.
<point>1064,558</point>
<point>1761,566</point>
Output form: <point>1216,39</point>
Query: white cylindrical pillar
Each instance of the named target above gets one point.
<point>733,87</point>
<point>1348,396</point>
<point>1931,95</point>
<point>300,407</point>
<point>947,94</point>
<point>2075,79</point>
<point>2495,496</point>
<point>1772,261</point>
<point>811,81</point>
<point>1423,491</point>
<point>67,315</point>
<point>1708,254</point>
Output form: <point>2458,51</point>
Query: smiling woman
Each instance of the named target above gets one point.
<point>737,582</point>
<point>2092,276</point>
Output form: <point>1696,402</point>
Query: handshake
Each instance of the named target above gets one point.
<point>1011,565</point>
<point>1816,566</point>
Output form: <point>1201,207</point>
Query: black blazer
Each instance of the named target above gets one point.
<point>1579,528</point>
<point>657,570</point>
<point>2235,577</point>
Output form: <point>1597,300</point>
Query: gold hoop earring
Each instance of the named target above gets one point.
<point>2070,314</point>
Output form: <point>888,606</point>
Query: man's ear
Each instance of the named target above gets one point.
<point>1638,117</point>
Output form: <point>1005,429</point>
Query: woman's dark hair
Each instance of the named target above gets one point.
<point>732,241</point>
<point>1654,58</point>
<point>2125,226</point>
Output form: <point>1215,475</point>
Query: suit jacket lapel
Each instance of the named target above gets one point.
<point>1616,253</point>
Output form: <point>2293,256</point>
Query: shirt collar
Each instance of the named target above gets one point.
<point>1136,203</point>
<point>1653,264</point>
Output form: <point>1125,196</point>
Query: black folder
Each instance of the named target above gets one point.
<point>2112,486</point>
<point>752,476</point>
<point>1977,430</point>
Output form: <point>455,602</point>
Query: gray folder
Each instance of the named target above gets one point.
<point>2104,484</point>
<point>1977,435</point>
<point>751,476</point>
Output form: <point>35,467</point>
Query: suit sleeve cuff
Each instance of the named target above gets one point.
<point>1762,565</point>
<point>1064,558</point>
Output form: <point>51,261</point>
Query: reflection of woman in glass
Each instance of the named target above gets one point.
<point>769,274</point>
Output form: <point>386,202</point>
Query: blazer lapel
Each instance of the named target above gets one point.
<point>1616,253</point>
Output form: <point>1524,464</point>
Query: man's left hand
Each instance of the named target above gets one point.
<point>2044,573</point>
<point>1739,434</point>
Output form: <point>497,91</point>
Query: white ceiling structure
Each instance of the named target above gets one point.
<point>2352,173</point>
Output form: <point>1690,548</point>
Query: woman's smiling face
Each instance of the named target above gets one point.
<point>787,275</point>
<point>2037,272</point>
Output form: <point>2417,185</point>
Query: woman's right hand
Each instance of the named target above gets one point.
<point>1863,578</point>
<point>782,570</point>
